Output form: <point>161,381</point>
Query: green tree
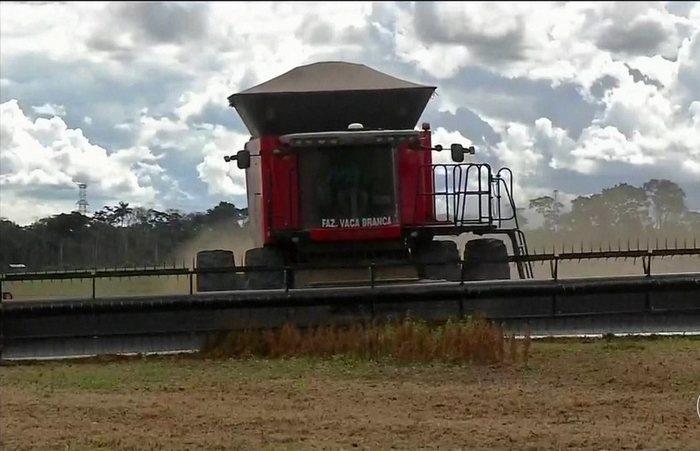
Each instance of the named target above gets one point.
<point>550,209</point>
<point>622,209</point>
<point>123,213</point>
<point>223,211</point>
<point>667,201</point>
<point>64,227</point>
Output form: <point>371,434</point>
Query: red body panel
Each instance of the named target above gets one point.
<point>284,191</point>
<point>414,179</point>
<point>273,189</point>
<point>392,232</point>
<point>273,193</point>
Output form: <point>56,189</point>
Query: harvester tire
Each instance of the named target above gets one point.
<point>265,256</point>
<point>217,281</point>
<point>438,260</point>
<point>486,259</point>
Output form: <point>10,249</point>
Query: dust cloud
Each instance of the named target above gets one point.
<point>538,244</point>
<point>221,235</point>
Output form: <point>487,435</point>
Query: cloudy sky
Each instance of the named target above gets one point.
<point>130,98</point>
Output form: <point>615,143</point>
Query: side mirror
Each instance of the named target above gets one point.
<point>458,152</point>
<point>242,158</point>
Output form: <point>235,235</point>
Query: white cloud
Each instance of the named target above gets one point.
<point>552,79</point>
<point>203,145</point>
<point>44,159</point>
<point>221,177</point>
<point>50,109</point>
<point>598,145</point>
<point>574,42</point>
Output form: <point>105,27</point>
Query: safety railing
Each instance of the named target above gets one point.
<point>504,204</point>
<point>468,194</point>
<point>460,194</point>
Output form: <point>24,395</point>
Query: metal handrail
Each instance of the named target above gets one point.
<point>451,187</point>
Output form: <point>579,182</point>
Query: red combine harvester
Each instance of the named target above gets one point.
<point>338,177</point>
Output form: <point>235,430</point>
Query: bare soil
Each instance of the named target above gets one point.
<point>574,394</point>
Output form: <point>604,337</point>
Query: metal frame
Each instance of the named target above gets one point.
<point>488,192</point>
<point>79,327</point>
<point>646,255</point>
<point>167,323</point>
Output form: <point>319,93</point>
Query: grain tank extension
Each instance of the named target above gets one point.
<point>337,175</point>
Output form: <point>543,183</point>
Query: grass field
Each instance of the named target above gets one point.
<point>622,393</point>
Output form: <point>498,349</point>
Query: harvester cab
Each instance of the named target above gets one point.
<point>338,177</point>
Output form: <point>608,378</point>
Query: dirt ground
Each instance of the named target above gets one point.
<point>590,394</point>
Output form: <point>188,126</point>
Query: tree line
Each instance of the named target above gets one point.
<point>122,235</point>
<point>118,235</point>
<point>622,213</point>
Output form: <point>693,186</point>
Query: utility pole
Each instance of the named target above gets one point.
<point>82,198</point>
<point>556,210</point>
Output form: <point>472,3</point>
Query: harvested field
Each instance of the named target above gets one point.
<point>622,393</point>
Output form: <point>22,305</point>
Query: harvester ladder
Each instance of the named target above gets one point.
<point>469,197</point>
<point>503,181</point>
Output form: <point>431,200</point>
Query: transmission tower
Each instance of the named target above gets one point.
<point>82,198</point>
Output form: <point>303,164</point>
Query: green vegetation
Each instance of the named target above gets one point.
<point>122,235</point>
<point>623,213</point>
<point>114,236</point>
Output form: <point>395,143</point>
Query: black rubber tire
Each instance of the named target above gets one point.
<point>486,259</point>
<point>438,260</point>
<point>217,281</point>
<point>265,256</point>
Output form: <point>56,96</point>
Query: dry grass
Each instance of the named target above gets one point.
<point>473,340</point>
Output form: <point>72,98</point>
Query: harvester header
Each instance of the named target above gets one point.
<point>328,96</point>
